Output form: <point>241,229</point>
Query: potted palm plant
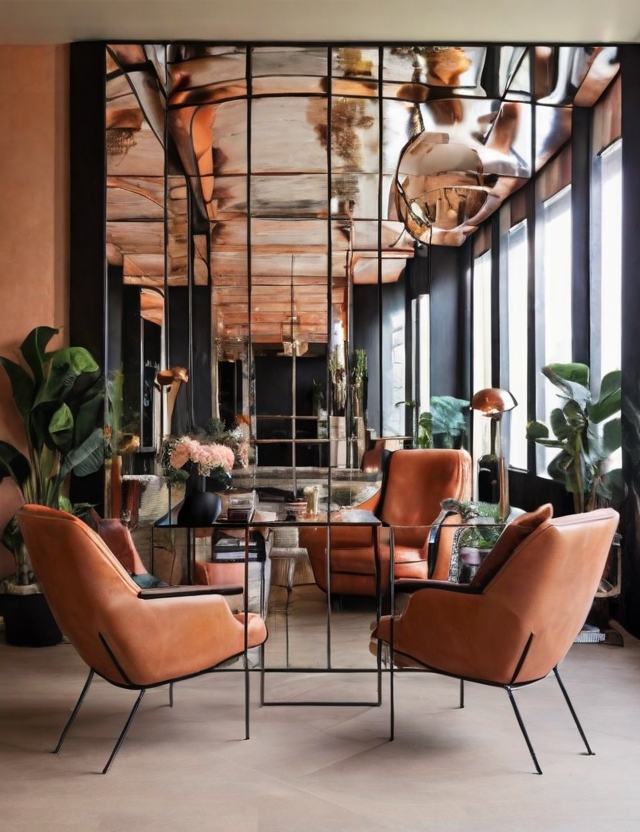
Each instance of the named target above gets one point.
<point>60,398</point>
<point>586,434</point>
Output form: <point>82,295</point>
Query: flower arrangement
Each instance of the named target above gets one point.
<point>210,458</point>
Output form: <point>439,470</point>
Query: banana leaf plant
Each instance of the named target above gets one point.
<point>60,398</point>
<point>587,433</point>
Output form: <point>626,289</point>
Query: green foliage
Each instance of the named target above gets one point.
<point>483,519</point>
<point>586,434</point>
<point>445,423</point>
<point>60,398</point>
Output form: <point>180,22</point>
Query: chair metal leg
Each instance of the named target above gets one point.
<point>74,713</point>
<point>123,733</point>
<point>573,713</point>
<point>247,693</point>
<point>171,694</point>
<point>286,623</point>
<point>523,729</point>
<point>462,693</point>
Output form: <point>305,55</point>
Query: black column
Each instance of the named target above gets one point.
<point>630,526</point>
<point>87,272</point>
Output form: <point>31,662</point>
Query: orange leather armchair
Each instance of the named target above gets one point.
<point>516,620</point>
<point>134,638</point>
<point>414,484</point>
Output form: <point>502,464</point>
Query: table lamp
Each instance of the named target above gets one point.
<point>492,467</point>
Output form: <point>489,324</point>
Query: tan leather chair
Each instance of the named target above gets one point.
<point>134,638</point>
<point>514,623</point>
<point>414,484</point>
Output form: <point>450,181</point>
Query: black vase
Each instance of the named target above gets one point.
<point>28,621</point>
<point>200,507</point>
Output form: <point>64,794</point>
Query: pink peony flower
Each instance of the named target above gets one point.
<point>207,457</point>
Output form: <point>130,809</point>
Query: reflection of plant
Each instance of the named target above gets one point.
<point>60,398</point>
<point>359,381</point>
<point>587,434</point>
<point>412,404</point>
<point>446,420</point>
<point>338,381</point>
<point>483,519</point>
<point>317,395</point>
<point>113,430</point>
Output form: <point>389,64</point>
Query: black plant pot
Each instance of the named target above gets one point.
<point>28,621</point>
<point>199,509</point>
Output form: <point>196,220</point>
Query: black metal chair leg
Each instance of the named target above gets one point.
<point>573,713</point>
<point>523,729</point>
<point>74,713</point>
<point>462,693</point>
<point>123,733</point>
<point>171,694</point>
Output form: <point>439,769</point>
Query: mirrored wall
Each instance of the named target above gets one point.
<point>287,228</point>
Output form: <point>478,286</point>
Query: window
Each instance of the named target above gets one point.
<point>481,357</point>
<point>607,266</point>
<point>517,328</point>
<point>553,328</point>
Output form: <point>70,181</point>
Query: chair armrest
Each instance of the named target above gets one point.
<point>186,591</point>
<point>433,540</point>
<point>411,585</point>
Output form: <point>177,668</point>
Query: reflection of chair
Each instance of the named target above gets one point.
<point>517,619</point>
<point>133,638</point>
<point>413,486</point>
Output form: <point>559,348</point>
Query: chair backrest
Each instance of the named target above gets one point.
<point>416,482</point>
<point>548,584</point>
<point>88,590</point>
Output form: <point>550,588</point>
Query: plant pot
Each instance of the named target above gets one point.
<point>200,508</point>
<point>28,621</point>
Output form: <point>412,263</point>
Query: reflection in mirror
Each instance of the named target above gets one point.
<point>268,209</point>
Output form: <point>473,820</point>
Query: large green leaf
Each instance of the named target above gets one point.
<point>576,373</point>
<point>61,428</point>
<point>22,386</point>
<point>610,400</point>
<point>575,416</point>
<point>537,430</point>
<point>86,458</point>
<point>560,424</point>
<point>572,380</point>
<point>72,368</point>
<point>33,348</point>
<point>611,436</point>
<point>447,414</point>
<point>89,412</point>
<point>13,464</point>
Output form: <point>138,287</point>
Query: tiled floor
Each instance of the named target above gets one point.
<point>312,768</point>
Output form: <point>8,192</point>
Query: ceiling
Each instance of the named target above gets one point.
<point>62,21</point>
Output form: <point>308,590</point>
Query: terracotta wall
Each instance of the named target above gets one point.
<point>34,223</point>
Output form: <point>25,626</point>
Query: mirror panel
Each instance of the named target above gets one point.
<point>256,259</point>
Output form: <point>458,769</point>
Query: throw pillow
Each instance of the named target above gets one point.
<point>512,536</point>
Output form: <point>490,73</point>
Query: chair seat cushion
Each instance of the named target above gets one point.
<point>409,562</point>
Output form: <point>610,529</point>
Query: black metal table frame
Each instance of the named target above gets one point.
<point>251,524</point>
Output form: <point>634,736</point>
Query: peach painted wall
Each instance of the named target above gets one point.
<point>34,215</point>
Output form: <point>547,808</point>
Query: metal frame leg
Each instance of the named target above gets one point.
<point>286,624</point>
<point>462,693</point>
<point>171,694</point>
<point>74,713</point>
<point>523,729</point>
<point>124,731</point>
<point>573,713</point>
